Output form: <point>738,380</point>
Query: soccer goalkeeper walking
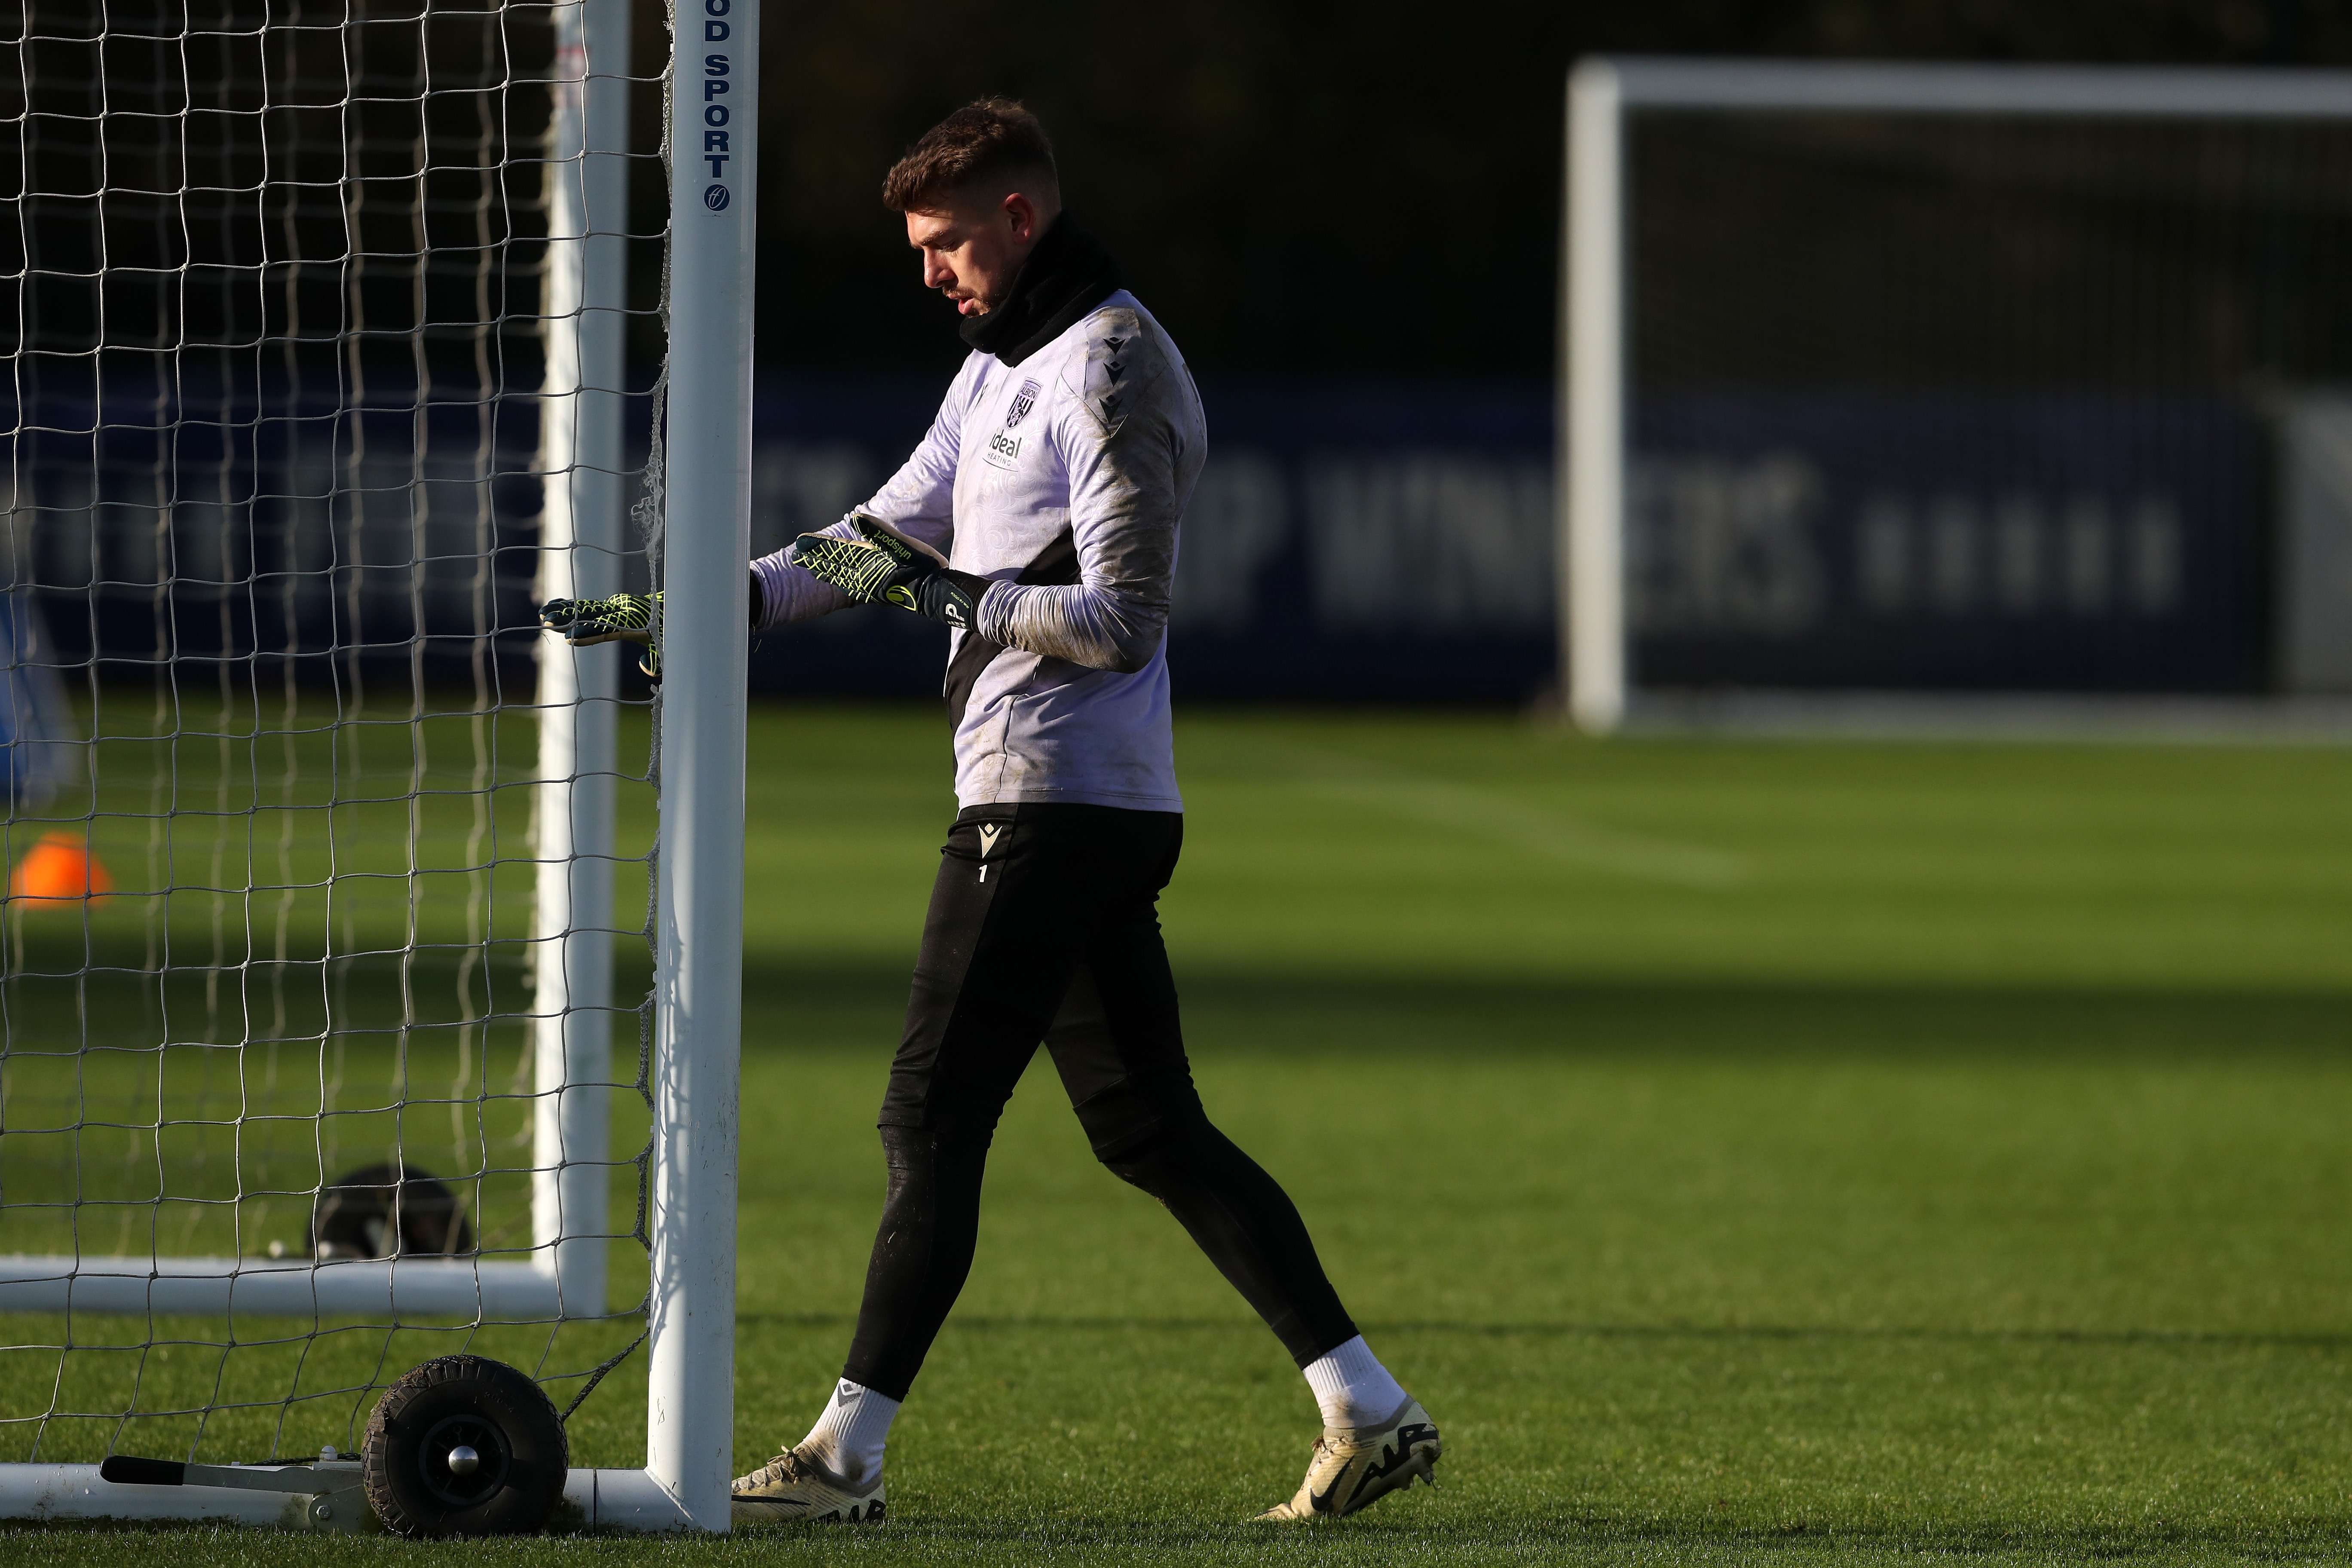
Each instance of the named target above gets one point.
<point>1052,479</point>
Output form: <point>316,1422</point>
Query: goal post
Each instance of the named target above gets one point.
<point>307,1000</point>
<point>582,513</point>
<point>705,631</point>
<point>2236,229</point>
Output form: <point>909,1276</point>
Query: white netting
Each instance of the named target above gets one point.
<point>271,283</point>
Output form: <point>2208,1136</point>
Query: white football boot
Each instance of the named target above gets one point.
<point>793,1487</point>
<point>1355,1466</point>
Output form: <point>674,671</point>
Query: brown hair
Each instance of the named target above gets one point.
<point>995,138</point>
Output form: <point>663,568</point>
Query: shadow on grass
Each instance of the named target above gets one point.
<point>1725,1332</point>
<point>860,1005</point>
<point>858,1002</point>
<point>1397,1536</point>
<point>1538,1535</point>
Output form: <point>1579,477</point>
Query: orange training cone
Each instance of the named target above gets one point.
<point>59,870</point>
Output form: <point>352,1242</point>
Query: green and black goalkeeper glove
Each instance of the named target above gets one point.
<point>883,565</point>
<point>624,617</point>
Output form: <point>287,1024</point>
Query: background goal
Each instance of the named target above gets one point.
<point>1952,378</point>
<point>316,325</point>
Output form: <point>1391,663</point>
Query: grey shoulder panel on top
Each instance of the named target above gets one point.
<point>1122,357</point>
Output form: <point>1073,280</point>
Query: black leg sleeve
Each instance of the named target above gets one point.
<point>922,1253</point>
<point>1249,1227</point>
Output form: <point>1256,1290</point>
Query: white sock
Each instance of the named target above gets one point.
<point>1353,1388</point>
<point>847,1438</point>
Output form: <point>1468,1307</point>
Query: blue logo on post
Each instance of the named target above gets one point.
<point>715,198</point>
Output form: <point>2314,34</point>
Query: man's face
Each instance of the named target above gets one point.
<point>973,245</point>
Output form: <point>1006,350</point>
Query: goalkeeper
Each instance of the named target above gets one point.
<point>1054,478</point>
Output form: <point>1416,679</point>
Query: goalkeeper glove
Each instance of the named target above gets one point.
<point>624,617</point>
<point>883,564</point>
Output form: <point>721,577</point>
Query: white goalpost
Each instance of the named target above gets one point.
<point>1936,376</point>
<point>307,1074</point>
<point>699,949</point>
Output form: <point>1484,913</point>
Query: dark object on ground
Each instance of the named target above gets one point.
<point>463,1445</point>
<point>376,1212</point>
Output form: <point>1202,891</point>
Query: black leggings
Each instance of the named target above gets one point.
<point>1043,927</point>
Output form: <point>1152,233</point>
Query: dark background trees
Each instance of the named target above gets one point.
<point>1300,187</point>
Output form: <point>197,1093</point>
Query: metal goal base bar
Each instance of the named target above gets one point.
<point>607,1500</point>
<point>294,1286</point>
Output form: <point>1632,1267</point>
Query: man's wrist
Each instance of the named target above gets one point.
<point>947,595</point>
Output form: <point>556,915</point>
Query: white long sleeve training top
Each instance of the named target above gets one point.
<point>1074,466</point>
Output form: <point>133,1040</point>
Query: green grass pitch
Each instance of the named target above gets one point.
<point>1748,1151</point>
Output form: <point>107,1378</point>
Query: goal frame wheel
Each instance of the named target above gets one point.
<point>522,1453</point>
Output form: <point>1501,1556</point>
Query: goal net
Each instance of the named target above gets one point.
<point>322,1050</point>
<point>1932,378</point>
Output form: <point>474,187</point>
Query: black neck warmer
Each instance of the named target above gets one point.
<point>1066,275</point>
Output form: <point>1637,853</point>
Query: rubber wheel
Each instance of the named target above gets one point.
<point>379,1211</point>
<point>474,1402</point>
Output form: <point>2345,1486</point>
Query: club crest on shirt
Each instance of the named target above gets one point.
<point>1023,402</point>
<point>1004,449</point>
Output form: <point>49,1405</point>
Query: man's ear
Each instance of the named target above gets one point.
<point>1021,214</point>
